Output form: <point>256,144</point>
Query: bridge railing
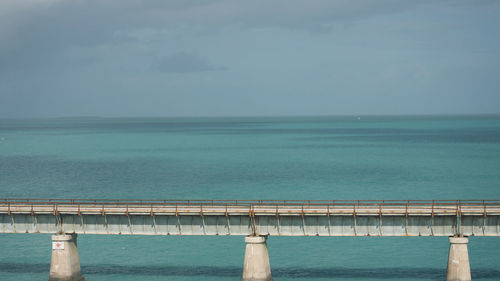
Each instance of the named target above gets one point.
<point>252,207</point>
<point>256,203</point>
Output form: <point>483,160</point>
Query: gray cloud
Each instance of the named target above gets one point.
<point>34,30</point>
<point>184,62</point>
<point>95,21</point>
<point>63,57</point>
<point>63,23</point>
<point>35,34</point>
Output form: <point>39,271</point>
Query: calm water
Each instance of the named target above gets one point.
<point>251,158</point>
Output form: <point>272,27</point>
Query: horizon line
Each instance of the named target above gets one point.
<point>255,116</point>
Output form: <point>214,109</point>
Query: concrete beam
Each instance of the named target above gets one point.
<point>65,264</point>
<point>256,265</point>
<point>458,260</point>
<point>275,225</point>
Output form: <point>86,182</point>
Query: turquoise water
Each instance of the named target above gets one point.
<point>251,158</point>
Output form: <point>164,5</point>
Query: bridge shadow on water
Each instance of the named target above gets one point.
<point>283,272</point>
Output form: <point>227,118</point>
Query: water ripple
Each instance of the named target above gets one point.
<point>228,271</point>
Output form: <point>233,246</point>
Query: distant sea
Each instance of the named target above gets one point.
<point>370,157</point>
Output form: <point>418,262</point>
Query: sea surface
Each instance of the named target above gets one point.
<point>371,157</point>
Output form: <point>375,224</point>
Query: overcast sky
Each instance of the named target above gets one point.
<point>258,57</point>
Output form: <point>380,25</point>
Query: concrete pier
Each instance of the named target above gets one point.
<point>458,260</point>
<point>256,265</point>
<point>65,264</point>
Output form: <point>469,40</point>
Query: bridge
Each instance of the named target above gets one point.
<point>256,219</point>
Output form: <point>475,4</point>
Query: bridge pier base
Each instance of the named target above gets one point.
<point>65,264</point>
<point>256,265</point>
<point>458,260</point>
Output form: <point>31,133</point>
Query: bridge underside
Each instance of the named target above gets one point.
<point>283,225</point>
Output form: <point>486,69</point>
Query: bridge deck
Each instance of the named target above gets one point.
<point>242,217</point>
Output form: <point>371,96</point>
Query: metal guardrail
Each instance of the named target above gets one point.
<point>263,207</point>
<point>236,202</point>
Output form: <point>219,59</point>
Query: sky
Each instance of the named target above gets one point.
<point>117,58</point>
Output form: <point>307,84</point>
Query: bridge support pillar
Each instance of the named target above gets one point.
<point>458,260</point>
<point>65,264</point>
<point>256,265</point>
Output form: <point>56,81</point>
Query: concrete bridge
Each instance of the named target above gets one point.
<point>256,219</point>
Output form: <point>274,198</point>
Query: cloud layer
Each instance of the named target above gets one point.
<point>183,62</point>
<point>281,57</point>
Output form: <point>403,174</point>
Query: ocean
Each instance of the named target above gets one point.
<point>349,157</point>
